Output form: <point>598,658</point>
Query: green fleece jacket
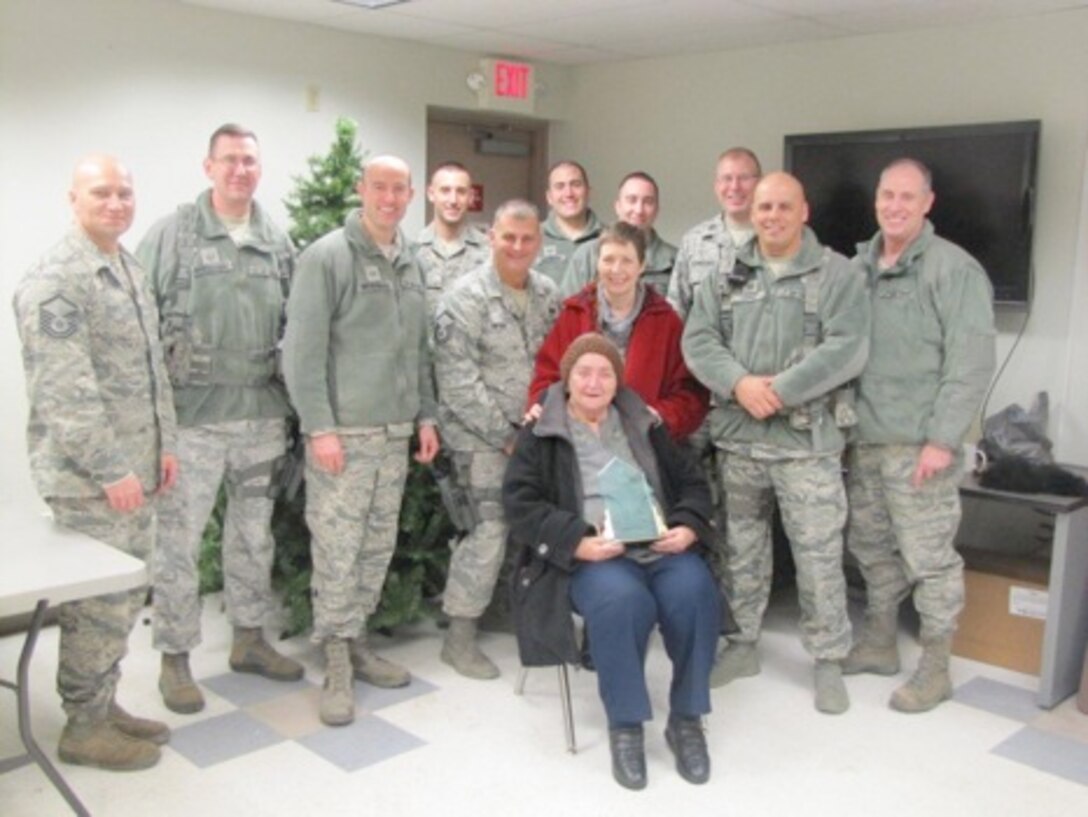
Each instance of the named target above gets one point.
<point>220,328</point>
<point>932,352</point>
<point>355,353</point>
<point>556,249</point>
<point>760,329</point>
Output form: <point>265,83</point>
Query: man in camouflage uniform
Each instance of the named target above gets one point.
<point>570,222</point>
<point>931,360</point>
<point>487,332</point>
<point>449,246</point>
<point>773,340</point>
<point>220,270</point>
<point>357,362</point>
<point>637,202</point>
<point>101,424</point>
<point>710,247</point>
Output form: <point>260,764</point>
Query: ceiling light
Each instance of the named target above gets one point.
<point>373,5</point>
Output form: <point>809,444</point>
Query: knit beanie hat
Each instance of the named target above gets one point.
<point>591,343</point>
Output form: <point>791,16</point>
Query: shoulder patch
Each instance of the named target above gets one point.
<point>59,317</point>
<point>442,326</point>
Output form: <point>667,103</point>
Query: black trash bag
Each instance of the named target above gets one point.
<point>1013,432</point>
<point>1019,456</point>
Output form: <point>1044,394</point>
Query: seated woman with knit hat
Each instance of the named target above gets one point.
<point>608,516</point>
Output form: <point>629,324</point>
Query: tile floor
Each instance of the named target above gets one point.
<point>449,746</point>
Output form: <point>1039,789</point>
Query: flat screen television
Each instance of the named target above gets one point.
<point>983,177</point>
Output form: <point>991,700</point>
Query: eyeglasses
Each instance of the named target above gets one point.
<point>739,178</point>
<point>245,162</point>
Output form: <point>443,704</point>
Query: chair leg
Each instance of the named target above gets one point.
<point>564,701</point>
<point>568,712</point>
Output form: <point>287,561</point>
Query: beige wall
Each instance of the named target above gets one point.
<point>672,117</point>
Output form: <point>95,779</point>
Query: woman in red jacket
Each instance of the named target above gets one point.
<point>640,322</point>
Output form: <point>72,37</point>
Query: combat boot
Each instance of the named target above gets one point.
<point>375,670</point>
<point>930,683</point>
<point>738,660</point>
<point>179,691</point>
<point>876,650</point>
<point>251,653</point>
<point>831,695</point>
<point>338,694</point>
<point>143,728</point>
<point>100,743</point>
<point>461,651</point>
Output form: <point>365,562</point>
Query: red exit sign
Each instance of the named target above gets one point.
<point>513,80</point>
<point>505,85</point>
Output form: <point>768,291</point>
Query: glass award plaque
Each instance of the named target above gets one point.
<point>631,512</point>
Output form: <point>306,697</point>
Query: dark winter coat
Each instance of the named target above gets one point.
<point>542,498</point>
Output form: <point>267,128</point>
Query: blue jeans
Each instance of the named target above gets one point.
<point>621,601</point>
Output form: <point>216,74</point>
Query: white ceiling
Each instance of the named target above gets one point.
<point>586,31</point>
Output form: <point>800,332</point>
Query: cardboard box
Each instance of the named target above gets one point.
<point>1002,621</point>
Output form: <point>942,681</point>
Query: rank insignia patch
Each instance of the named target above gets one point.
<point>59,317</point>
<point>442,326</point>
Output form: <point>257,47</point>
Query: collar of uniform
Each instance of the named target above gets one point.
<point>872,250</point>
<point>493,285</point>
<point>357,234</point>
<point>551,228</point>
<point>715,228</point>
<point>209,225</point>
<point>660,255</point>
<point>472,234</point>
<point>93,254</point>
<point>808,258</point>
<point>535,284</point>
<point>427,236</point>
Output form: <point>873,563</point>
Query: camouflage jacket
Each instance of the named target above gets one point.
<point>484,355</point>
<point>706,249</point>
<point>100,400</point>
<point>442,266</point>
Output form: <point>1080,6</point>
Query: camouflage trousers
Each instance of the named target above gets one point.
<point>902,536</point>
<point>353,518</point>
<point>478,556</point>
<point>812,499</point>
<point>240,452</point>
<point>94,632</point>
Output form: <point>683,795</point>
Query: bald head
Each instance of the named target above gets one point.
<point>779,213</point>
<point>102,200</point>
<point>385,190</point>
<point>388,162</point>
